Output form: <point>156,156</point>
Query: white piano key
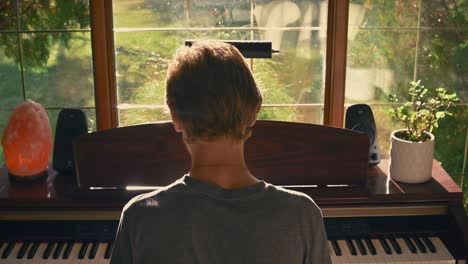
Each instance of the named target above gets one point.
<point>106,261</point>
<point>381,256</point>
<point>12,257</point>
<point>406,252</point>
<point>369,258</point>
<point>442,254</point>
<point>334,258</point>
<point>51,259</point>
<point>37,259</point>
<point>359,258</point>
<point>93,260</point>
<point>422,258</point>
<point>397,258</point>
<point>99,258</point>
<point>346,252</point>
<point>343,258</point>
<point>393,258</point>
<point>69,259</point>
<point>74,254</point>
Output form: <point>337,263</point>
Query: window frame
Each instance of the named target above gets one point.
<point>102,41</point>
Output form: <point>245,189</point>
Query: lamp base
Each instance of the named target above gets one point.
<point>28,179</point>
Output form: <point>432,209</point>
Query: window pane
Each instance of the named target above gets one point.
<point>292,77</point>
<point>383,13</point>
<point>8,17</point>
<point>302,13</point>
<point>140,116</point>
<point>53,14</point>
<point>184,14</point>
<point>440,13</point>
<point>443,60</point>
<point>142,59</point>
<point>450,140</point>
<point>11,92</point>
<point>295,74</point>
<point>313,115</point>
<point>379,62</point>
<point>66,77</point>
<point>4,117</point>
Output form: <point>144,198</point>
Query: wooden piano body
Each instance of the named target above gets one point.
<point>76,217</point>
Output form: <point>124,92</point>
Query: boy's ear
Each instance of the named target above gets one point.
<point>257,109</point>
<point>178,126</point>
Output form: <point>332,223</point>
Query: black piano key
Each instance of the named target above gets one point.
<point>58,250</point>
<point>23,249</point>
<point>93,250</point>
<point>410,245</point>
<point>33,250</point>
<point>385,246</point>
<point>84,248</point>
<point>67,251</point>
<point>371,246</point>
<point>351,247</point>
<point>7,250</point>
<point>110,245</point>
<point>361,247</point>
<point>429,244</point>
<point>395,245</point>
<point>336,247</point>
<point>420,245</point>
<point>48,250</point>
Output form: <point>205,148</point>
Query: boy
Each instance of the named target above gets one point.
<point>218,212</point>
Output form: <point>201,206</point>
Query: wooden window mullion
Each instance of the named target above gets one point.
<point>104,64</point>
<point>335,75</point>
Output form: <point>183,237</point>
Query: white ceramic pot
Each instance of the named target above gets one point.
<point>411,162</point>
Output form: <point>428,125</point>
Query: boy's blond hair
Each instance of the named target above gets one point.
<point>212,92</point>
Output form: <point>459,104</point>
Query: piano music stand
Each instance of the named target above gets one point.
<point>281,153</point>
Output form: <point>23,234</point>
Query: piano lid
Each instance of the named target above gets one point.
<point>282,153</point>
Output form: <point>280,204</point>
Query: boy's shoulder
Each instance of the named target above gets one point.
<point>293,198</point>
<point>152,199</point>
<point>174,196</point>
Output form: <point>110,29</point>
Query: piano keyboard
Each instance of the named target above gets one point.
<point>406,239</point>
<point>55,252</point>
<point>365,250</point>
<point>412,249</point>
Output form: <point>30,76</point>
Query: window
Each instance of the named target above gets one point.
<point>391,43</point>
<point>148,32</point>
<point>45,55</point>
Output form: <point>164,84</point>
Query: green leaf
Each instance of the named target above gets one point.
<point>440,114</point>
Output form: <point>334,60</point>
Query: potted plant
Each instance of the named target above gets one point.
<point>412,148</point>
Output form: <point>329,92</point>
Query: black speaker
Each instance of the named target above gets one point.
<point>70,123</point>
<point>359,117</point>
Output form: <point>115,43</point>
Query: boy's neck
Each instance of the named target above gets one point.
<point>220,162</point>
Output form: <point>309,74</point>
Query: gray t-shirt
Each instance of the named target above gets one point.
<point>191,221</point>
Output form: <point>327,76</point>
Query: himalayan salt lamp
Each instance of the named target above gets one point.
<point>27,142</point>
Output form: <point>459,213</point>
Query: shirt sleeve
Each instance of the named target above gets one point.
<point>319,251</point>
<point>122,251</point>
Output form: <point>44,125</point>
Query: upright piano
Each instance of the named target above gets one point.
<point>369,218</point>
